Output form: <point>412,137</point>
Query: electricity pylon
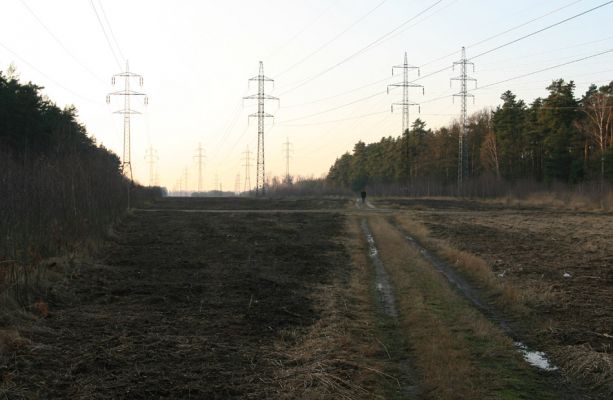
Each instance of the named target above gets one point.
<point>216,182</point>
<point>462,146</point>
<point>406,104</point>
<point>261,96</point>
<point>126,165</point>
<point>151,158</point>
<point>287,149</point>
<point>185,178</point>
<point>200,156</point>
<point>247,165</point>
<point>237,185</point>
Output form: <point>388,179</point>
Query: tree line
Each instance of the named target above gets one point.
<point>58,188</point>
<point>559,138</point>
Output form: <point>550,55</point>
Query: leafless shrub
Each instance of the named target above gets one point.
<point>51,206</point>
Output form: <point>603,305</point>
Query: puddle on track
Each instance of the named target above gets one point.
<point>537,359</point>
<point>382,282</point>
<point>387,302</point>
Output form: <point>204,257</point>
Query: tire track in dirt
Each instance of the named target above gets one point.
<point>409,389</point>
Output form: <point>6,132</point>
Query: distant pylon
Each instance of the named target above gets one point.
<point>185,178</point>
<point>247,165</point>
<point>262,115</point>
<point>126,165</point>
<point>151,157</point>
<point>462,147</point>
<point>406,104</point>
<point>237,185</point>
<point>287,149</point>
<point>216,182</point>
<point>200,156</point>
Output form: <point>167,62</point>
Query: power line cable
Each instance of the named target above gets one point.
<point>491,50</point>
<point>524,24</point>
<point>111,30</point>
<point>442,57</point>
<point>40,21</point>
<point>320,48</point>
<point>370,45</point>
<point>542,29</point>
<point>106,36</point>
<point>387,78</point>
<point>501,33</point>
<point>545,69</point>
<point>57,83</point>
<point>300,32</point>
<point>335,108</point>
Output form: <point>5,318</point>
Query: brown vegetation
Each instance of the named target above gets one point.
<point>458,353</point>
<point>549,268</point>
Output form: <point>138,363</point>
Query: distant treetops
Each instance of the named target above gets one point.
<point>557,138</point>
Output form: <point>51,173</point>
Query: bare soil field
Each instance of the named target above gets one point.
<point>251,203</point>
<point>180,305</point>
<point>561,261</point>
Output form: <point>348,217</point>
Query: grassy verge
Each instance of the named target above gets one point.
<point>457,352</point>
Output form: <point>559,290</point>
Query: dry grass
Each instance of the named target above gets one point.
<point>10,340</point>
<point>451,342</point>
<point>566,200</point>
<point>339,357</point>
<point>583,362</point>
<point>509,297</point>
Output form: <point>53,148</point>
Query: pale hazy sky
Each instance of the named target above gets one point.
<point>196,58</point>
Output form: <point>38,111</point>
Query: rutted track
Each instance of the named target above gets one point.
<point>533,357</point>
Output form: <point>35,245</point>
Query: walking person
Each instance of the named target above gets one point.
<point>363,194</point>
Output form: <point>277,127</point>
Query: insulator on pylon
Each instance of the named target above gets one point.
<point>112,80</point>
<point>423,91</point>
<point>418,72</point>
<point>146,100</point>
<point>419,109</point>
<point>141,81</point>
<point>108,99</point>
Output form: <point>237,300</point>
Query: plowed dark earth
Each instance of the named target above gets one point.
<point>182,305</point>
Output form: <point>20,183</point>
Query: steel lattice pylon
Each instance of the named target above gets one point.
<point>261,97</point>
<point>462,148</point>
<point>406,104</point>
<point>126,164</point>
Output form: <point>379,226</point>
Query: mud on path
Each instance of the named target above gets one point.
<point>182,306</point>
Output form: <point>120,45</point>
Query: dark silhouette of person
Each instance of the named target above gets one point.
<point>363,194</point>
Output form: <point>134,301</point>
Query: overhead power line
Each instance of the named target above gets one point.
<point>502,33</point>
<point>320,48</point>
<point>335,108</point>
<point>542,29</point>
<point>50,32</point>
<point>524,24</point>
<point>55,81</point>
<point>108,24</point>
<point>545,69</point>
<point>483,53</point>
<point>300,32</point>
<point>442,57</point>
<point>106,36</point>
<point>371,44</point>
